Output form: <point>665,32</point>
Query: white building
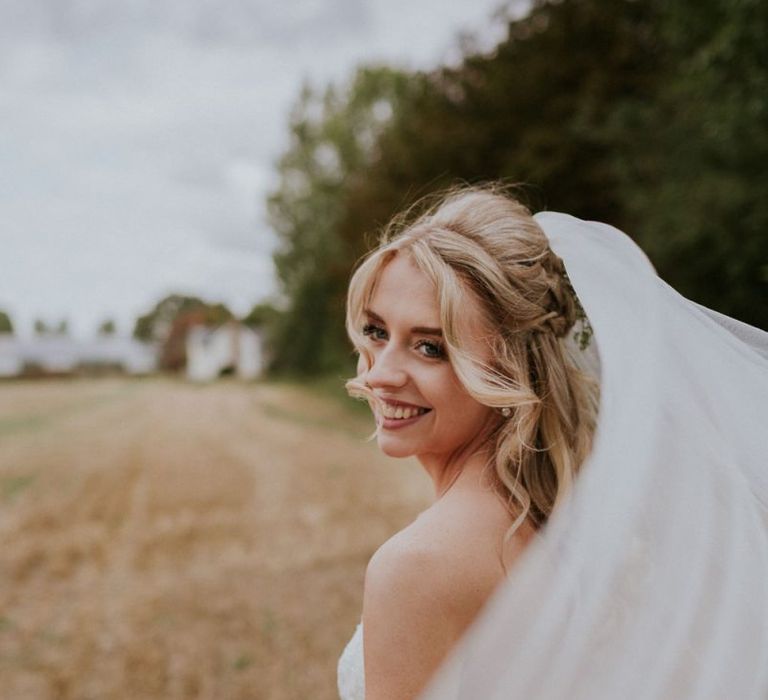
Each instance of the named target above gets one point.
<point>229,349</point>
<point>60,354</point>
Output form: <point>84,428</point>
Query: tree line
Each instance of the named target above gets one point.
<point>651,115</point>
<point>648,115</point>
<point>165,325</point>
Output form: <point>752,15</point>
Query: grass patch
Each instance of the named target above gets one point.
<point>13,486</point>
<point>23,424</point>
<point>268,624</point>
<point>335,471</point>
<point>242,662</point>
<point>35,422</point>
<point>308,420</point>
<point>330,386</point>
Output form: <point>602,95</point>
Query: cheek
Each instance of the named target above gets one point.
<point>463,415</point>
<point>468,417</point>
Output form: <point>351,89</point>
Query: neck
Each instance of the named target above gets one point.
<point>455,472</point>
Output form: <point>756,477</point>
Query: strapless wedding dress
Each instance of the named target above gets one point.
<point>350,673</point>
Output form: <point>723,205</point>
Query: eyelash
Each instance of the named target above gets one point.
<point>370,330</point>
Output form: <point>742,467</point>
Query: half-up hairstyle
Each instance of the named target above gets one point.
<point>482,242</point>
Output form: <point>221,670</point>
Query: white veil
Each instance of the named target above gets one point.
<point>652,580</point>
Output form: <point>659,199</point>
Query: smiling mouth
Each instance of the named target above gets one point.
<point>403,413</point>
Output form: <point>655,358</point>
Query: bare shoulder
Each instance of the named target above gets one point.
<point>423,588</point>
<point>408,622</point>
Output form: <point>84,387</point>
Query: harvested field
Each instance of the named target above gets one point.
<point>165,540</point>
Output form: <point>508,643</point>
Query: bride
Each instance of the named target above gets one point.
<point>642,578</point>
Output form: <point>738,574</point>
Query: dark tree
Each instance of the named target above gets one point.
<point>155,326</point>
<point>646,115</point>
<point>334,137</point>
<point>107,327</point>
<point>6,325</point>
<point>694,175</point>
<point>169,321</point>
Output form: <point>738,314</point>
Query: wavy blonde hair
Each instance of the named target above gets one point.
<point>482,242</point>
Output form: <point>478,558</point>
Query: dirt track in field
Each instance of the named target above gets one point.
<point>164,540</point>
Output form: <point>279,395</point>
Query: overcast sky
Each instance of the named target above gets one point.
<point>138,139</point>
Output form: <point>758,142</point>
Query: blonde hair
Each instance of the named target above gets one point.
<point>481,241</point>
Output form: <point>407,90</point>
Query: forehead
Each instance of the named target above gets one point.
<point>403,290</point>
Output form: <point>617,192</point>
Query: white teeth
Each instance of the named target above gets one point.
<point>401,412</point>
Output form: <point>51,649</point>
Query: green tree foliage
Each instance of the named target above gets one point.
<point>647,115</point>
<point>169,321</point>
<point>107,327</point>
<point>262,315</point>
<point>535,111</point>
<point>334,137</point>
<point>43,328</point>
<point>6,325</point>
<point>265,318</point>
<point>696,181</point>
<point>155,325</point>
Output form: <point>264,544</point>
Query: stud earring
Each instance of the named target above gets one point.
<point>506,411</point>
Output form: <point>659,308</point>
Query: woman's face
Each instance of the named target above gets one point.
<point>427,412</point>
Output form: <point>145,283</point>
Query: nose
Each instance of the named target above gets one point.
<point>387,370</point>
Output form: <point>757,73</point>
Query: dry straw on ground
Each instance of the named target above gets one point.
<point>164,540</point>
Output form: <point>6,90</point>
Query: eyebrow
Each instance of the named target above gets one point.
<point>422,330</point>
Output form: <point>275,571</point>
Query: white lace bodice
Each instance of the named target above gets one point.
<point>350,673</point>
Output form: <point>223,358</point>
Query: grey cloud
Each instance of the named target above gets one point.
<point>138,138</point>
<point>199,21</point>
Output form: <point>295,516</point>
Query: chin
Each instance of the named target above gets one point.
<point>395,448</point>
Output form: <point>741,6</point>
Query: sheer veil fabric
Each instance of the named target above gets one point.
<point>651,582</point>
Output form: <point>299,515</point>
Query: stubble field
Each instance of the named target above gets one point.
<point>165,540</point>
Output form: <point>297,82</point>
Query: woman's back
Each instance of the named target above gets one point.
<point>426,585</point>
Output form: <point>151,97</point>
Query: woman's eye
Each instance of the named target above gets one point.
<point>431,349</point>
<point>375,332</point>
<point>425,347</point>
